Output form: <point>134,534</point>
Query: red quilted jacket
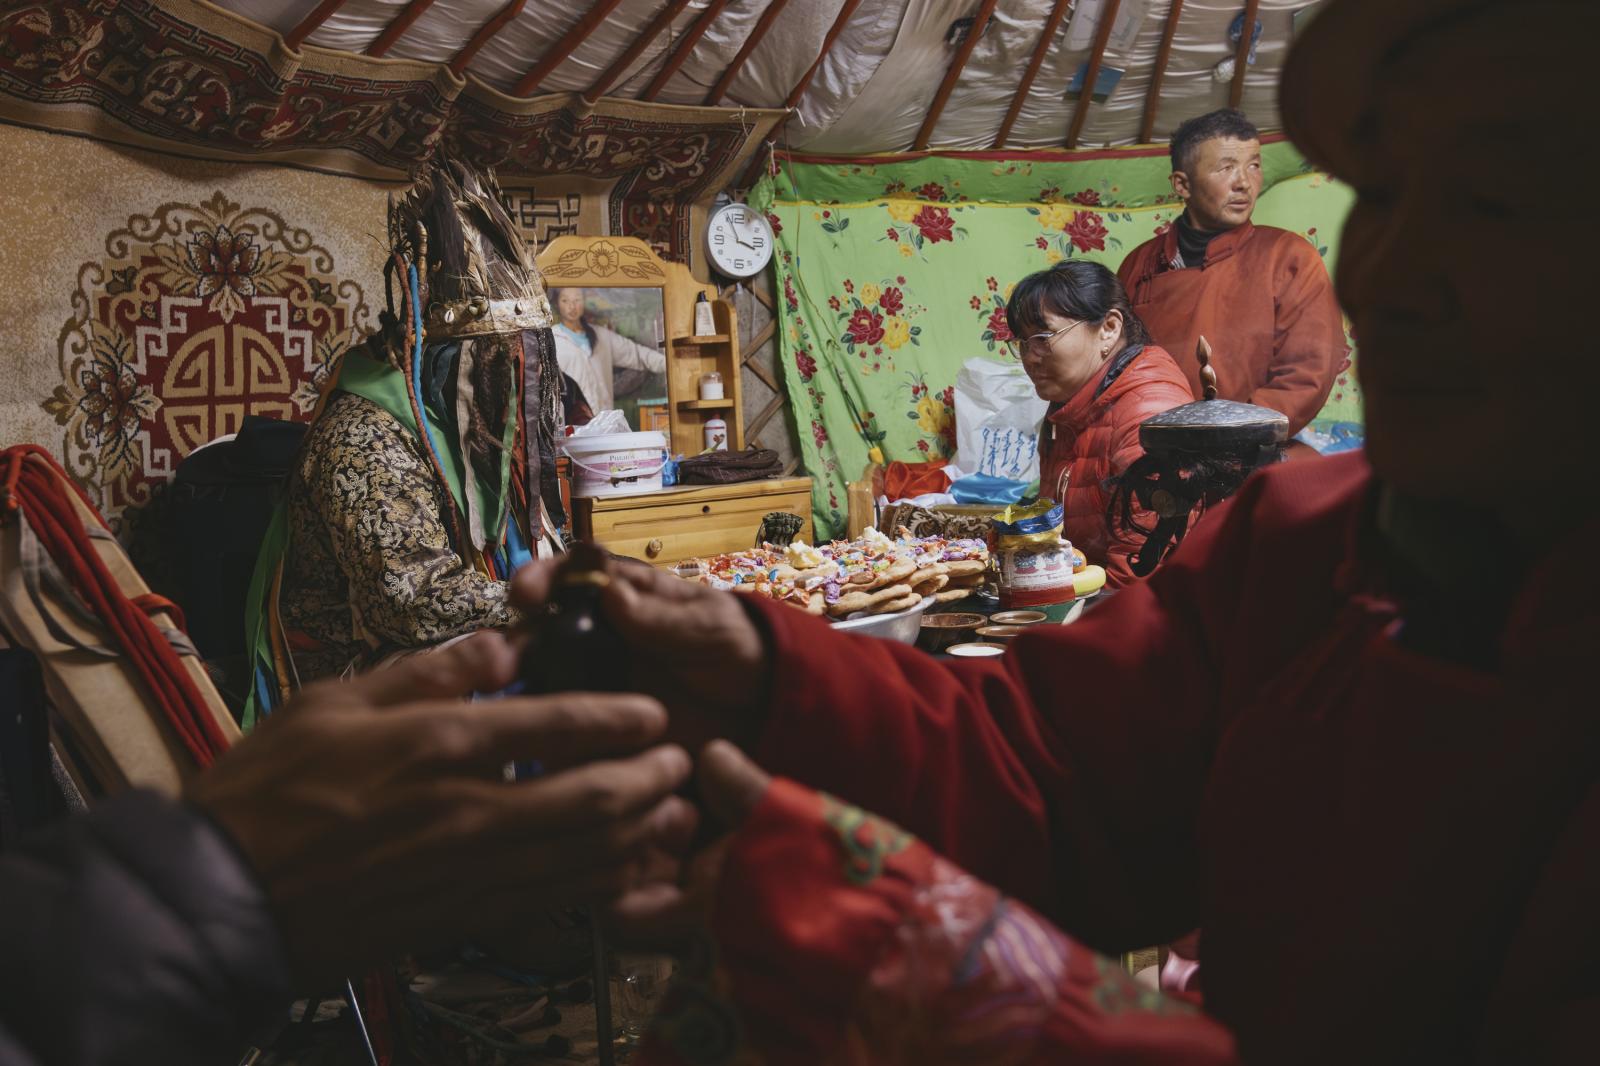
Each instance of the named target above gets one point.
<point>1094,437</point>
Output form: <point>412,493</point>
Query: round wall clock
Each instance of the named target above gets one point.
<point>739,240</point>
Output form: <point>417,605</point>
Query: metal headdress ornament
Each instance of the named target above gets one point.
<point>478,277</point>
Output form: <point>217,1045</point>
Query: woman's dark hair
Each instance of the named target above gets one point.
<point>583,319</point>
<point>1074,288</point>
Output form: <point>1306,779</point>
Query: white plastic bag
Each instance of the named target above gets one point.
<point>997,421</point>
<point>610,420</point>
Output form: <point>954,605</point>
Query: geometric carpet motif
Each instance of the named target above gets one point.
<point>197,316</point>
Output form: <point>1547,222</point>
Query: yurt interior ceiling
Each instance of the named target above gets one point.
<point>863,77</point>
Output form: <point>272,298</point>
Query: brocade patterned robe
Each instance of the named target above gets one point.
<point>370,570</point>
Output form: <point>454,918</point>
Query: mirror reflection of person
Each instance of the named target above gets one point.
<point>591,354</point>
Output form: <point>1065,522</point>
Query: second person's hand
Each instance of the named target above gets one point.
<point>695,649</point>
<point>375,818</point>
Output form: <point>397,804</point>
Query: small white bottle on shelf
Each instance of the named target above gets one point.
<point>705,323</point>
<point>716,435</point>
<point>711,386</point>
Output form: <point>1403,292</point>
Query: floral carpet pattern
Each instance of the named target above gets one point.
<point>196,316</point>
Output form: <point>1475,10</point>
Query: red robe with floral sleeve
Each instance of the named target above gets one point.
<point>1393,858</point>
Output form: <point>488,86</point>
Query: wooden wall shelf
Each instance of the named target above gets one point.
<point>685,342</point>
<point>723,404</point>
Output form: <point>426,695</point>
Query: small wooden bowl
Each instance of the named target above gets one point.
<point>1017,618</point>
<point>977,649</point>
<point>999,633</point>
<point>939,631</point>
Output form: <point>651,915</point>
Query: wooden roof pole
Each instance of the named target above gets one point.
<point>1102,34</point>
<point>1040,50</point>
<point>837,28</point>
<point>680,51</point>
<point>564,47</point>
<point>768,17</point>
<point>308,25</point>
<point>484,34</point>
<point>662,20</point>
<point>980,21</point>
<point>1152,100</point>
<point>395,30</point>
<point>1240,57</point>
<point>803,84</point>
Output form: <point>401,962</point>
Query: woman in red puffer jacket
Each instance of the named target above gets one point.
<point>1089,355</point>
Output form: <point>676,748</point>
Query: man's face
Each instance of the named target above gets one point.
<point>1471,304</point>
<point>1221,186</point>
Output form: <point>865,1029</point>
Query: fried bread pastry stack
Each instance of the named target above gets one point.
<point>873,574</point>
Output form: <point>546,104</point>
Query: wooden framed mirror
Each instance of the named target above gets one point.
<point>604,282</point>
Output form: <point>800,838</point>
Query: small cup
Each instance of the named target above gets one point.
<point>1017,618</point>
<point>939,631</point>
<point>638,985</point>
<point>999,633</point>
<point>977,649</point>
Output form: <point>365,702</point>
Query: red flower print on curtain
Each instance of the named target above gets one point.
<point>915,224</point>
<point>935,224</point>
<point>1087,231</point>
<point>866,327</point>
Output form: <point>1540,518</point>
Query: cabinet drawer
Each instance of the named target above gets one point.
<point>668,533</point>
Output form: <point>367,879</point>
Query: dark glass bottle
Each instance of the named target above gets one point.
<point>573,646</point>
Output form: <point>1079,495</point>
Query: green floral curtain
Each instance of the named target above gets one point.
<point>893,273</point>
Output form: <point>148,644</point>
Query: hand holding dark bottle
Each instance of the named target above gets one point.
<point>373,814</point>
<point>572,645</point>
<point>695,649</point>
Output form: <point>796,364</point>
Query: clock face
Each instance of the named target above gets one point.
<point>740,241</point>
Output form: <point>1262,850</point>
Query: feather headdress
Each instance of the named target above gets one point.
<point>479,277</point>
<point>486,357</point>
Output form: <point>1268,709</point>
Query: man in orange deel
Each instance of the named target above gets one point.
<point>1259,295</point>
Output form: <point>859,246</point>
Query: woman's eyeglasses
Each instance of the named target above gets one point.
<point>1039,343</point>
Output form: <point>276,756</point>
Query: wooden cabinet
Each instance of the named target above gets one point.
<point>693,520</point>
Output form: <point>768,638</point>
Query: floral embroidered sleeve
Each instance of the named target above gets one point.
<point>377,505</point>
<point>841,939</point>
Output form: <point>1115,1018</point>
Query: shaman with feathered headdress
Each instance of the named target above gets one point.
<point>485,339</point>
<point>428,475</point>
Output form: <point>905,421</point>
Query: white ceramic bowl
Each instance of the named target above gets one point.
<point>977,649</point>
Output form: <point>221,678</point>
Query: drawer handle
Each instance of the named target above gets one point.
<point>653,549</point>
<point>705,508</point>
